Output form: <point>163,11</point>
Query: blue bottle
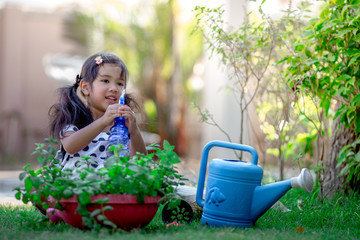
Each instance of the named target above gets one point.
<point>119,133</point>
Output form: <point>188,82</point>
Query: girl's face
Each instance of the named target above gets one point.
<point>105,90</point>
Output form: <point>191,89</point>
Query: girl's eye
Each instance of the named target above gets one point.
<point>121,84</point>
<point>105,80</point>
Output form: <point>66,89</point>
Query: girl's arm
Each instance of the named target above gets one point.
<point>137,143</point>
<point>73,142</point>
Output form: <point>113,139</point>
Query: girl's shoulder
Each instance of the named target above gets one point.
<point>70,128</point>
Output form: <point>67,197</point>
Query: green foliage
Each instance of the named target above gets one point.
<point>325,62</point>
<point>142,175</point>
<point>325,67</point>
<point>349,159</point>
<point>292,123</point>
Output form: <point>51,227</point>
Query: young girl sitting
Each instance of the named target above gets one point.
<point>82,118</point>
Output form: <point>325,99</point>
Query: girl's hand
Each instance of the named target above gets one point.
<point>112,112</point>
<point>130,119</point>
<point>136,141</point>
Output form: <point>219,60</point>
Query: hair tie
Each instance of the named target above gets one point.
<point>78,79</point>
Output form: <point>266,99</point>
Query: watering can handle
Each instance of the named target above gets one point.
<point>204,159</point>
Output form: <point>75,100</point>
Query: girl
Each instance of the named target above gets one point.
<point>86,111</point>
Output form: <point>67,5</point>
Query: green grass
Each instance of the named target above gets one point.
<point>309,218</point>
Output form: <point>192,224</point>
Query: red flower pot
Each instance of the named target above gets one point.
<point>127,212</point>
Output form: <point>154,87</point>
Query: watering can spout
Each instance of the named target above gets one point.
<point>304,181</point>
<point>265,196</point>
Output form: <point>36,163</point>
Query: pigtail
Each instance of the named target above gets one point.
<point>69,110</point>
<point>132,102</point>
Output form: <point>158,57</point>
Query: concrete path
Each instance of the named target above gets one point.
<point>8,181</point>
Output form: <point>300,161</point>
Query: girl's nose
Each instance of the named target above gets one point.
<point>114,88</point>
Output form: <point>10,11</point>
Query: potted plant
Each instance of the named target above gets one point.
<point>124,194</point>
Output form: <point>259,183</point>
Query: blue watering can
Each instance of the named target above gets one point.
<point>234,195</point>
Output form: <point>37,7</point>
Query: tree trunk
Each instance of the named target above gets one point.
<point>341,137</point>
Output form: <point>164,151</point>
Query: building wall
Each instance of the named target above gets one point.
<point>26,93</point>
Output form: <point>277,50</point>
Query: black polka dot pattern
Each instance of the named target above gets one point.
<point>96,150</point>
<point>102,148</point>
<point>94,165</point>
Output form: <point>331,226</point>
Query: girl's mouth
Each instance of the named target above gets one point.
<point>111,99</point>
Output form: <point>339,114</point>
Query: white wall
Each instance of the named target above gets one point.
<point>224,108</point>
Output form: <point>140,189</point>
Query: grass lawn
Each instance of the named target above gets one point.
<point>309,218</point>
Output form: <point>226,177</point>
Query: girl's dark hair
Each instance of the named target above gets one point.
<point>70,109</point>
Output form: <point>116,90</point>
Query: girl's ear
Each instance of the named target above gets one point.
<point>82,92</point>
<point>85,87</point>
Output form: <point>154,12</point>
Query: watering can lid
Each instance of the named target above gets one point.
<point>235,169</point>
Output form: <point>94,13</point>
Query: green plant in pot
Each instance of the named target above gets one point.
<point>124,194</point>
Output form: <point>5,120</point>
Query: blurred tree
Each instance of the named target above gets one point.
<point>158,49</point>
<point>294,126</point>
<point>245,51</point>
<point>325,65</point>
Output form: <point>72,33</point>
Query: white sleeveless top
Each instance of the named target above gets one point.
<point>96,150</point>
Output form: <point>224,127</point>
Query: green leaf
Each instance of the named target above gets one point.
<point>341,33</point>
<point>36,181</point>
<point>58,206</point>
<point>357,157</point>
<point>331,57</point>
<point>345,170</point>
<point>325,103</point>
<point>102,200</point>
<point>308,33</point>
<point>353,59</point>
<point>357,122</point>
<point>101,218</point>
<point>28,184</point>
<point>273,151</point>
<point>26,167</point>
<point>340,111</point>
<point>108,208</point>
<point>108,223</point>
<point>84,198</point>
<point>356,101</point>
<point>22,175</point>
<point>299,47</point>
<point>95,212</point>
<point>18,195</point>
